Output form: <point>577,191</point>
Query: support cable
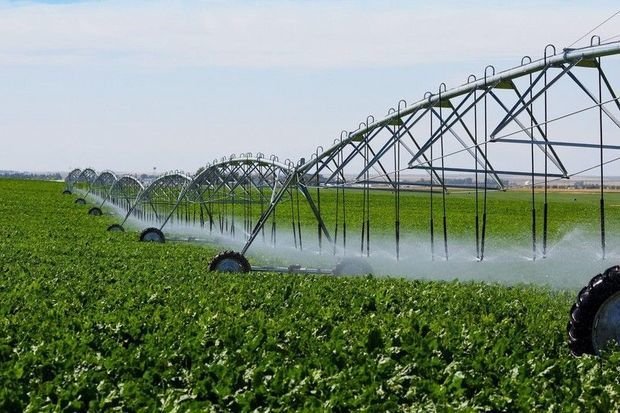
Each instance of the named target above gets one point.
<point>596,27</point>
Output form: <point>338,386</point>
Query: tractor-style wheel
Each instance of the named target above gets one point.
<point>116,228</point>
<point>352,266</point>
<point>95,211</point>
<point>80,201</point>
<point>152,235</point>
<point>230,261</point>
<point>66,192</point>
<point>594,319</point>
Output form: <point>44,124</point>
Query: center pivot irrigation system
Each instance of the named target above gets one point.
<point>539,122</point>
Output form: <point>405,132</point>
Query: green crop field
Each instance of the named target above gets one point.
<point>92,321</point>
<point>509,214</point>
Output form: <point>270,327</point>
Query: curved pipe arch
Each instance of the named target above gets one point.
<point>106,178</point>
<point>87,176</point>
<point>231,173</point>
<point>102,184</point>
<point>163,182</point>
<point>126,188</point>
<point>72,176</point>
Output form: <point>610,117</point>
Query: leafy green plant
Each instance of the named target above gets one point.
<point>92,320</point>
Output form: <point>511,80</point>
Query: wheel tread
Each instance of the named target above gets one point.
<point>230,254</point>
<point>583,311</point>
<point>144,233</point>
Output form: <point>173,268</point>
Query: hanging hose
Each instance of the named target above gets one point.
<point>367,205</point>
<point>364,202</point>
<point>298,220</point>
<point>249,205</point>
<point>337,212</point>
<point>202,217</point>
<point>232,215</point>
<point>226,215</point>
<point>532,166</point>
<point>344,203</point>
<point>293,217</point>
<point>486,175</point>
<point>602,202</point>
<point>476,208</point>
<point>209,210</point>
<point>318,200</point>
<point>397,192</point>
<point>262,205</point>
<point>344,220</point>
<point>545,126</point>
<point>443,179</point>
<point>432,226</point>
<point>273,228</point>
<point>220,217</point>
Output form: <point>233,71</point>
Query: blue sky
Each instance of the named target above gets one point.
<point>129,85</point>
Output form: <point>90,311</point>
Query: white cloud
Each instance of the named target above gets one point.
<point>297,34</point>
<point>89,111</point>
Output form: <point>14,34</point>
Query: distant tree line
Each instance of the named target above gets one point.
<point>49,176</point>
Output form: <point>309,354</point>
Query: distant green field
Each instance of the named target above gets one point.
<point>92,321</point>
<point>509,214</point>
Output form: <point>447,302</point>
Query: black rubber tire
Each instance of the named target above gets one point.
<point>95,211</point>
<point>66,192</point>
<point>80,201</point>
<point>116,228</point>
<point>152,235</point>
<point>352,266</point>
<point>230,261</point>
<point>583,313</point>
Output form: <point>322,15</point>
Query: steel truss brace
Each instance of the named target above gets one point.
<point>522,104</point>
<point>455,113</point>
<point>448,126</point>
<point>356,151</point>
<point>519,173</point>
<point>293,179</point>
<point>482,159</point>
<point>404,128</point>
<point>595,99</point>
<point>551,154</point>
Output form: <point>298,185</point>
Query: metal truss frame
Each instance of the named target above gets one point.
<point>87,177</point>
<point>419,146</point>
<point>375,154</point>
<point>124,192</point>
<point>162,192</point>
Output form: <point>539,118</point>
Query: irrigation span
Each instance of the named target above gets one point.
<point>543,123</point>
